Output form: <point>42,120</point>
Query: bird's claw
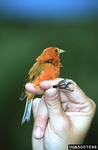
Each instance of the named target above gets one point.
<point>64,84</point>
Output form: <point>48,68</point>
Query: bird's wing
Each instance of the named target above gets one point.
<point>35,71</point>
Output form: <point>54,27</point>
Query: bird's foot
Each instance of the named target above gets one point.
<point>64,84</point>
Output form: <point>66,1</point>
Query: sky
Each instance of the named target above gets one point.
<point>63,10</point>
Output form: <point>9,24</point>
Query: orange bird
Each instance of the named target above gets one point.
<point>47,67</point>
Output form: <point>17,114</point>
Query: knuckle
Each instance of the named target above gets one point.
<point>93,105</point>
<point>40,118</point>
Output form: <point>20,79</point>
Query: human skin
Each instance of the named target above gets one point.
<point>61,117</point>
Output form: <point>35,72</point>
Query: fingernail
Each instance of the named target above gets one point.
<point>52,93</point>
<point>29,84</point>
<point>37,132</point>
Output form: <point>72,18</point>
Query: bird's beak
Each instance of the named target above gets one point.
<point>61,51</point>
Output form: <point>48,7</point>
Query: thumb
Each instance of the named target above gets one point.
<point>54,106</point>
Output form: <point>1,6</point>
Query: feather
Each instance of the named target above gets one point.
<point>27,112</point>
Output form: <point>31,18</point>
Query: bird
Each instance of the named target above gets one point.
<point>46,67</point>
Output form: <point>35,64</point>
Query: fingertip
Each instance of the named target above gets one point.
<point>45,84</point>
<point>30,88</point>
<point>51,93</point>
<point>38,133</point>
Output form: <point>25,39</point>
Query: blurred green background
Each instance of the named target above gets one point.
<point>20,44</point>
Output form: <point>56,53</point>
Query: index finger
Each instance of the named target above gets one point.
<point>44,85</point>
<point>30,88</point>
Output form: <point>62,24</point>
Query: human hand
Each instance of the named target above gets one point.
<point>61,117</point>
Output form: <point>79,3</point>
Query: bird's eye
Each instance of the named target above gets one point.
<point>55,50</point>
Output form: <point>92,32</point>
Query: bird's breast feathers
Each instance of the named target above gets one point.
<point>43,72</point>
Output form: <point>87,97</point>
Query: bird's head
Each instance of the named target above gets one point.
<point>50,54</point>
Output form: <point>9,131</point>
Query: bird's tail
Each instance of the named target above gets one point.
<point>27,111</point>
<point>28,107</point>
